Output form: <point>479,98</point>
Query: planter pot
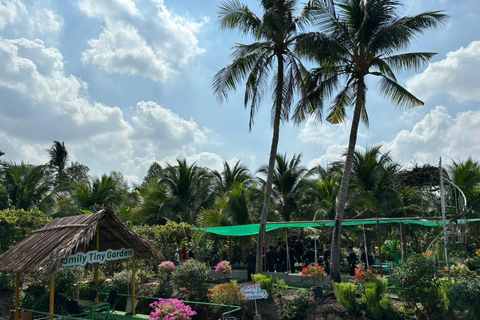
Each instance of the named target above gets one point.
<point>317,292</point>
<point>128,308</point>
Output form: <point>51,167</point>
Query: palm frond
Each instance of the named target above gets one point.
<point>397,94</point>
<point>235,15</point>
<point>408,61</point>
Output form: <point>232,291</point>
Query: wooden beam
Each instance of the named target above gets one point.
<point>52,296</point>
<point>133,283</point>
<point>17,295</point>
<point>98,249</point>
<point>115,233</point>
<point>60,227</point>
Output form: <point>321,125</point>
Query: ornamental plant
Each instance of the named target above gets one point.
<point>460,270</point>
<point>314,272</point>
<point>166,267</point>
<point>191,277</point>
<point>363,276</point>
<point>170,309</point>
<point>226,293</point>
<point>223,268</point>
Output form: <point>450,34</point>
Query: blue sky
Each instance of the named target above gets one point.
<point>124,83</point>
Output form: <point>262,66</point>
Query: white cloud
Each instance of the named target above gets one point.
<point>456,75</point>
<point>40,104</point>
<point>46,21</point>
<point>438,135</point>
<point>134,42</point>
<point>10,10</point>
<point>324,134</point>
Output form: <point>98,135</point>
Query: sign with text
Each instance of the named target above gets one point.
<point>83,258</point>
<point>253,292</point>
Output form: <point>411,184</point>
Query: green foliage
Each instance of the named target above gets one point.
<point>201,244</point>
<point>65,278</point>
<point>465,297</point>
<point>226,293</point>
<point>166,238</point>
<point>415,280</point>
<point>375,300</point>
<point>345,294</point>
<point>7,281</point>
<point>16,225</point>
<point>391,250</point>
<point>192,275</point>
<point>36,297</point>
<point>265,282</point>
<point>122,281</point>
<point>460,270</point>
<point>280,287</point>
<point>298,309</point>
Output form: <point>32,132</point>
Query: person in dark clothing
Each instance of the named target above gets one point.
<point>250,261</point>
<point>279,255</point>
<point>309,256</point>
<point>271,259</point>
<point>351,259</point>
<point>291,254</point>
<point>299,250</point>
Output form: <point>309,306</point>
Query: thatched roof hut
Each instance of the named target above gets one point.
<point>44,251</point>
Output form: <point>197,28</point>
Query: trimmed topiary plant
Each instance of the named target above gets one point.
<point>191,277</point>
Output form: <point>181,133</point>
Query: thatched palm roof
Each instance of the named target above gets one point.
<point>46,249</point>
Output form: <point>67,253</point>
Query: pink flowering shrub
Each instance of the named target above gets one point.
<point>166,267</point>
<point>223,268</point>
<point>170,309</point>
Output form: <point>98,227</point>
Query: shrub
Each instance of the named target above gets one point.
<point>36,297</point>
<point>226,293</point>
<point>192,275</point>
<point>7,281</point>
<point>298,309</point>
<point>375,300</point>
<point>391,249</point>
<point>363,276</point>
<point>65,278</point>
<point>472,263</point>
<point>415,280</point>
<point>465,297</point>
<point>460,270</point>
<point>314,272</point>
<point>170,309</point>
<point>265,283</point>
<point>224,268</point>
<point>345,294</point>
<point>166,267</point>
<point>280,287</point>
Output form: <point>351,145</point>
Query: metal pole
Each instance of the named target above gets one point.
<point>288,253</point>
<point>52,296</point>
<point>444,219</point>
<point>365,245</point>
<point>379,248</point>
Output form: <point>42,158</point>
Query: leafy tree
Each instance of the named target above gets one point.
<point>232,176</point>
<point>362,38</point>
<point>151,196</point>
<point>466,175</point>
<point>153,173</point>
<point>272,51</point>
<point>17,224</point>
<point>77,173</point>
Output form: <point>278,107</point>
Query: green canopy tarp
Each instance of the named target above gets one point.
<point>253,229</point>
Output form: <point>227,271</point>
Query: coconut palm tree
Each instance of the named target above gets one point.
<point>232,176</point>
<point>272,52</point>
<point>362,38</point>
<point>288,185</point>
<point>466,175</point>
<point>58,158</point>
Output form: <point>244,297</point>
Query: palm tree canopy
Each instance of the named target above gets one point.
<point>275,33</point>
<point>360,38</point>
<point>58,157</point>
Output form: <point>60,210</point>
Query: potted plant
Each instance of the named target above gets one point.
<point>316,273</point>
<point>224,269</point>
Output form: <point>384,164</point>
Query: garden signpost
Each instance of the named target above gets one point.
<point>254,292</point>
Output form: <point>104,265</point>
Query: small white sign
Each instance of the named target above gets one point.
<point>82,258</point>
<point>253,292</point>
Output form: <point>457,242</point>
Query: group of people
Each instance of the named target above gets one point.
<point>352,259</point>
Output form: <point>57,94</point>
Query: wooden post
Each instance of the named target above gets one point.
<point>379,237</point>
<point>52,296</point>
<point>17,295</point>
<point>133,283</point>
<point>95,274</point>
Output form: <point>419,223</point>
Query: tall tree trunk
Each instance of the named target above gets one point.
<point>337,228</point>
<point>271,164</point>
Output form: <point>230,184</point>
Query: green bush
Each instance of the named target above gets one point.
<point>345,294</point>
<point>280,287</point>
<point>375,300</point>
<point>298,309</point>
<point>265,283</point>
<point>7,281</point>
<point>465,297</point>
<point>36,297</point>
<point>192,275</point>
<point>65,278</point>
<point>391,250</point>
<point>415,280</point>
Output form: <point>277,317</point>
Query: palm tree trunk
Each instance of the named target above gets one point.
<point>271,164</point>
<point>337,228</point>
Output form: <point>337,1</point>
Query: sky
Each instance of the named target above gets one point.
<point>124,83</point>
